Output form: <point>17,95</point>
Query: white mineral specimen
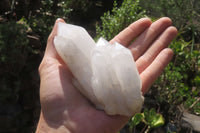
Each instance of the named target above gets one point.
<point>106,74</point>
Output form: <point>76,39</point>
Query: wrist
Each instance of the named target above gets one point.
<point>44,126</point>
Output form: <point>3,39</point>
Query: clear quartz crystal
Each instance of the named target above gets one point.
<point>106,74</point>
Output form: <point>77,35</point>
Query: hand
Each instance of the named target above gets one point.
<point>64,109</point>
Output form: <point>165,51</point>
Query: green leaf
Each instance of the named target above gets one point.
<point>197,80</point>
<point>138,117</point>
<point>157,121</point>
<point>152,118</point>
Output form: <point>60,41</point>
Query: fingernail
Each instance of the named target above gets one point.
<point>60,20</point>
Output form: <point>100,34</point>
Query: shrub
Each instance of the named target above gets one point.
<point>23,34</point>
<point>184,14</point>
<point>119,18</point>
<point>17,102</point>
<point>179,82</point>
<point>42,20</point>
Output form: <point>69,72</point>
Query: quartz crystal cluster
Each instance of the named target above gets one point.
<point>104,73</point>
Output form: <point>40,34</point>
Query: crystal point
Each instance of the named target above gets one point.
<point>106,74</point>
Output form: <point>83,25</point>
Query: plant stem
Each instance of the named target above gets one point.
<point>143,129</point>
<point>148,129</point>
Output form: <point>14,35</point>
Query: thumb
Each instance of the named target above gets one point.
<point>51,56</point>
<point>50,48</point>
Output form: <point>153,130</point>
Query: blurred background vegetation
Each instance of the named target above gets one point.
<point>26,24</point>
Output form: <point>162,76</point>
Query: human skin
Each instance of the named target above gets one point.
<point>65,110</point>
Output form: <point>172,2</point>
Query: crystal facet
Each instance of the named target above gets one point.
<point>106,74</point>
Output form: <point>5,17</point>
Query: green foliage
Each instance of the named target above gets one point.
<point>15,76</point>
<point>24,29</point>
<point>184,14</point>
<point>138,117</point>
<point>150,118</point>
<point>81,6</point>
<point>13,46</point>
<point>42,21</point>
<point>179,84</point>
<point>119,18</point>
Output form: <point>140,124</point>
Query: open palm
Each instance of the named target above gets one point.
<point>64,109</point>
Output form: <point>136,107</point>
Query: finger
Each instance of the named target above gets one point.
<point>150,74</point>
<point>162,42</point>
<point>126,36</point>
<point>50,49</point>
<point>141,44</point>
